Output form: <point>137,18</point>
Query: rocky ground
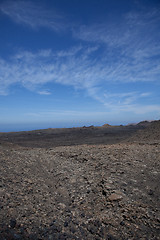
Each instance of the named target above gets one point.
<point>85,191</point>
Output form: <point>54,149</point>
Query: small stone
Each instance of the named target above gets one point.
<point>82,214</point>
<point>51,237</point>
<point>122,223</point>
<point>107,186</point>
<point>73,229</point>
<point>92,229</point>
<point>110,237</point>
<point>65,224</point>
<point>33,236</point>
<point>150,192</point>
<point>17,237</point>
<point>115,197</point>
<point>8,195</point>
<point>104,192</point>
<point>12,223</point>
<point>30,181</point>
<point>62,205</point>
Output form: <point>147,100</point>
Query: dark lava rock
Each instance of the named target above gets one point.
<point>18,237</point>
<point>65,224</point>
<point>122,223</point>
<point>92,229</point>
<point>150,192</point>
<point>111,237</point>
<point>13,223</point>
<point>33,236</point>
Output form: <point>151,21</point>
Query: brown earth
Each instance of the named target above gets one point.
<point>81,183</point>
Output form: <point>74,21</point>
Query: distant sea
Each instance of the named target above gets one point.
<point>25,127</point>
<point>16,127</point>
<point>35,126</point>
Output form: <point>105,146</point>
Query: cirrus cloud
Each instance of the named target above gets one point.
<point>32,15</point>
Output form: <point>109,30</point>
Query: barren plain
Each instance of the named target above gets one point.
<point>88,183</point>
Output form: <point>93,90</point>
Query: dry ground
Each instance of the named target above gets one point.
<point>102,191</point>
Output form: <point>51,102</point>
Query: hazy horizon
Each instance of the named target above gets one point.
<point>33,126</point>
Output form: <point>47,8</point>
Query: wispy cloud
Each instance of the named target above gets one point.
<point>33,15</point>
<point>136,109</point>
<point>129,29</point>
<point>75,67</point>
<point>35,70</point>
<point>44,92</point>
<point>124,51</point>
<point>125,98</point>
<point>124,102</point>
<point>131,44</point>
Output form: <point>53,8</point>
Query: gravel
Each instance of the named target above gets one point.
<point>80,192</point>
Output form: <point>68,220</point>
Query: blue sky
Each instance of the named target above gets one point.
<point>67,63</point>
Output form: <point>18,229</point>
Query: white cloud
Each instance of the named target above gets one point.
<point>124,102</point>
<point>44,92</point>
<point>32,14</point>
<point>131,45</point>
<point>125,98</point>
<point>75,67</point>
<point>72,67</point>
<point>125,51</point>
<point>71,52</point>
<point>134,29</point>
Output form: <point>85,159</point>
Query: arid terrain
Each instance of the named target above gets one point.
<point>86,183</point>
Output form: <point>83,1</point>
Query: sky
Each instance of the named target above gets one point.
<point>70,63</point>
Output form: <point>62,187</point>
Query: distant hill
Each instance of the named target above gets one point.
<point>106,125</point>
<point>141,124</point>
<point>145,123</point>
<point>150,132</point>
